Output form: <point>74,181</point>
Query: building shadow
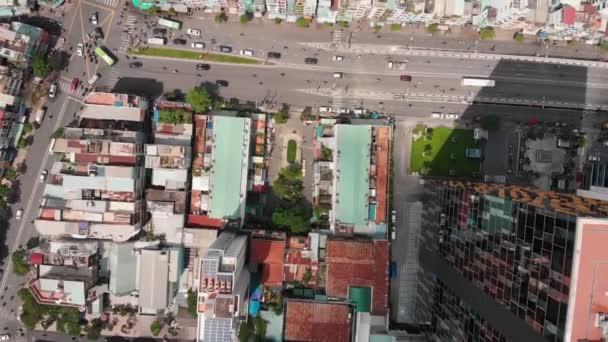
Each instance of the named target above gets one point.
<point>146,87</point>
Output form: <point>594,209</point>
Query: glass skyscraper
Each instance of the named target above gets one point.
<point>496,261</point>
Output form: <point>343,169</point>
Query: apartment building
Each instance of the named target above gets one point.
<point>351,177</point>
<point>168,162</point>
<point>21,42</point>
<point>326,12</point>
<point>95,187</point>
<point>64,273</point>
<point>222,295</point>
<point>276,9</point>
<point>219,170</point>
<point>536,253</point>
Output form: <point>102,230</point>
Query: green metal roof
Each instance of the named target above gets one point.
<point>353,164</point>
<point>227,166</point>
<point>362,297</point>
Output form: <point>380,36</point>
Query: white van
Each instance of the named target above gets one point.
<point>93,79</point>
<point>40,115</point>
<point>338,75</point>
<point>246,52</point>
<point>436,115</point>
<point>324,109</point>
<point>51,145</point>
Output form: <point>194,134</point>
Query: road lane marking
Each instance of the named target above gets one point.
<point>26,213</point>
<point>98,6</point>
<point>84,52</point>
<point>73,20</point>
<point>108,32</point>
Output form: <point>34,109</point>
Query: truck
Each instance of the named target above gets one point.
<point>157,41</point>
<point>477,82</point>
<point>40,115</point>
<point>396,65</point>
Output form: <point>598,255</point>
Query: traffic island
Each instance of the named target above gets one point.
<point>192,55</point>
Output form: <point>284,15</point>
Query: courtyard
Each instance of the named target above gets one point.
<point>443,151</point>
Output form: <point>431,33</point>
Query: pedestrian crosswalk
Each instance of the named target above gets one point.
<point>108,3</point>
<point>337,37</point>
<point>65,87</point>
<point>6,315</point>
<point>126,37</point>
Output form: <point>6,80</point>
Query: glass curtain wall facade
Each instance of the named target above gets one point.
<point>514,244</point>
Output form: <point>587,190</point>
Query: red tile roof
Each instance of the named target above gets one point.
<point>267,251</point>
<point>270,253</point>
<point>359,263</point>
<point>316,321</point>
<point>202,221</point>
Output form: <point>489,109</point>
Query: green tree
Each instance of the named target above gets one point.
<point>395,27</point>
<point>192,302</point>
<point>293,218</point>
<point>10,174</point>
<point>377,28</point>
<point>245,18</point>
<point>152,11</point>
<point>40,66</point>
<point>604,45</point>
<point>68,321</point>
<point>171,12</point>
<point>58,133</point>
<point>487,33</point>
<point>281,116</point>
<point>289,184</point>
<point>27,128</point>
<point>20,265</point>
<point>93,331</point>
<point>155,327</point>
<point>277,20</point>
<point>199,99</point>
<point>245,331</point>
<point>221,18</point>
<point>519,37</point>
<point>302,22</point>
<point>260,327</point>
<point>5,191</point>
<point>433,28</point>
<point>342,24</point>
<point>490,122</point>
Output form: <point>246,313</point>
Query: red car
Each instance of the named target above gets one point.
<point>406,78</point>
<point>74,84</point>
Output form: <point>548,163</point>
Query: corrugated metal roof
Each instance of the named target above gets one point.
<point>76,290</point>
<point>123,268</point>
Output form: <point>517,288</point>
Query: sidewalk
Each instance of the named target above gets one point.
<point>459,39</point>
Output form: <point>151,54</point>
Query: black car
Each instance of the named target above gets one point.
<point>98,33</point>
<point>135,65</point>
<point>222,83</point>
<point>311,60</point>
<point>276,55</point>
<point>224,48</point>
<point>203,66</point>
<point>160,31</point>
<point>179,41</point>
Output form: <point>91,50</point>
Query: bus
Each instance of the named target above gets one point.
<point>102,53</point>
<point>477,82</point>
<point>172,24</point>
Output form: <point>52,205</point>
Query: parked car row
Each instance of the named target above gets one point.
<point>449,116</point>
<point>356,111</point>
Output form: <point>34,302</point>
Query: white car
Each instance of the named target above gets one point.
<point>338,58</point>
<point>94,18</point>
<point>43,175</point>
<point>193,32</point>
<point>93,79</point>
<point>343,111</point>
<point>18,214</point>
<point>79,50</point>
<point>359,111</point>
<point>437,115</point>
<point>324,109</point>
<point>338,75</point>
<point>5,337</point>
<point>594,158</point>
<point>246,52</point>
<point>198,45</point>
<point>53,90</point>
<point>451,116</point>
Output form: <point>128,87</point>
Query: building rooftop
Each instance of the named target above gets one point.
<point>107,112</point>
<point>153,279</point>
<point>178,198</point>
<point>116,100</point>
<point>270,254</point>
<point>317,321</point>
<point>360,263</point>
<point>122,263</point>
<point>587,318</point>
<point>353,174</point>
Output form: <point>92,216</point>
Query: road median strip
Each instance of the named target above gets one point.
<point>193,55</point>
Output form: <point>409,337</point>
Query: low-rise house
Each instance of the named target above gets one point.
<point>21,42</point>
<point>95,187</point>
<point>219,170</point>
<point>307,320</point>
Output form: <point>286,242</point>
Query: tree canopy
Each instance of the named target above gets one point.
<point>40,66</point>
<point>487,33</point>
<point>433,28</point>
<point>289,184</point>
<point>192,301</point>
<point>199,99</point>
<point>293,218</point>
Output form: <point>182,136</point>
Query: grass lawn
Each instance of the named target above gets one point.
<point>291,151</point>
<point>439,159</point>
<point>187,54</point>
